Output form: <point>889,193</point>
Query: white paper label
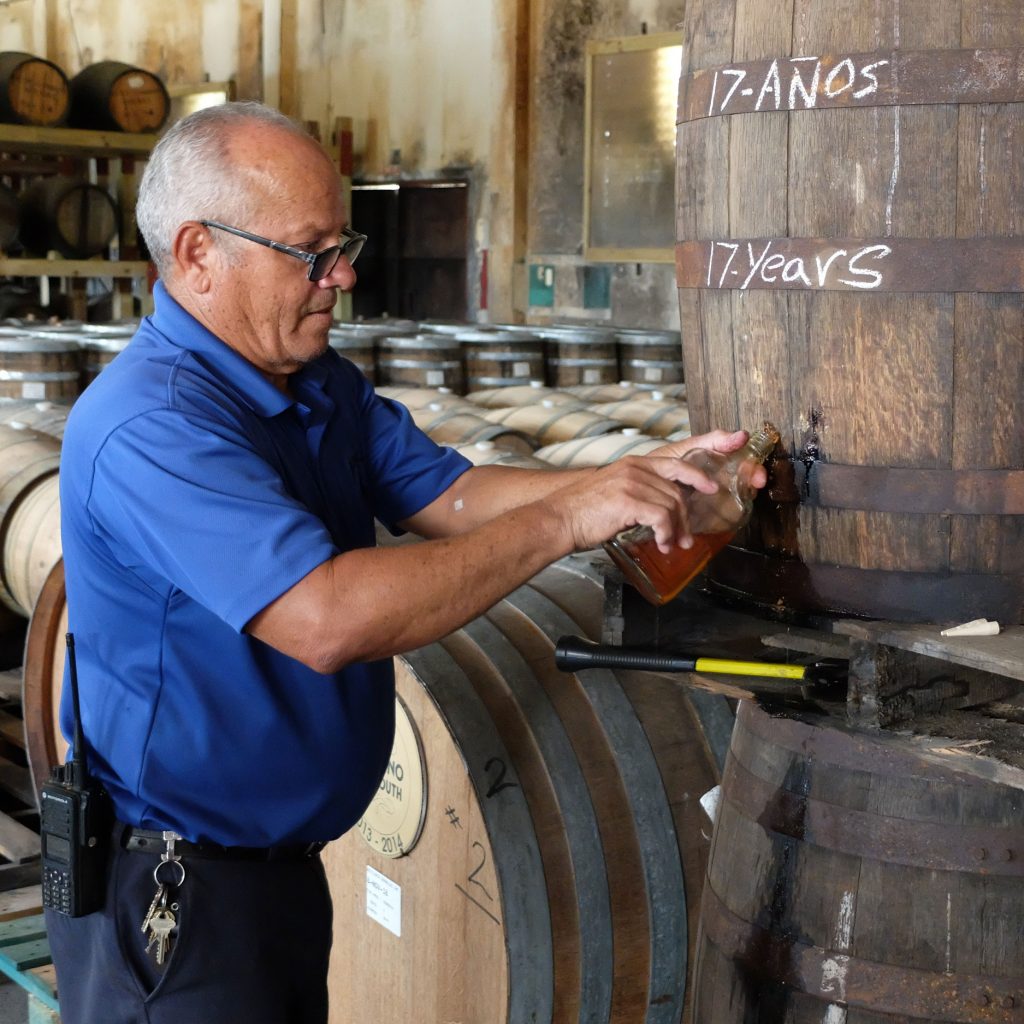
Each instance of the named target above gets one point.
<point>384,901</point>
<point>33,389</point>
<point>591,376</point>
<point>435,378</point>
<point>520,369</point>
<point>652,373</point>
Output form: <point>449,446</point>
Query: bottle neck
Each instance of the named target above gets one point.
<point>761,443</point>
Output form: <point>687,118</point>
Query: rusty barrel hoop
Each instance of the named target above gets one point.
<point>850,262</point>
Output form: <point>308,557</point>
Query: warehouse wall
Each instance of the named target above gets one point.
<point>430,86</point>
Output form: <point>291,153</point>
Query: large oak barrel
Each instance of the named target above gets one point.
<point>500,359</point>
<point>604,830</point>
<point>653,414</point>
<point>853,880</point>
<point>32,90</point>
<point>115,96</point>
<point>549,421</point>
<point>521,394</point>
<point>850,255</point>
<point>31,544</point>
<point>599,450</point>
<point>29,514</point>
<point>39,367</point>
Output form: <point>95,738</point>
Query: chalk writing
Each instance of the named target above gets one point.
<point>748,264</point>
<point>500,769</point>
<point>794,83</point>
<point>473,880</point>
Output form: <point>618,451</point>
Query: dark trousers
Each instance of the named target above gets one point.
<point>252,946</point>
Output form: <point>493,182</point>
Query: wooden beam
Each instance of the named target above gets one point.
<point>249,79</point>
<point>288,96</point>
<point>73,268</point>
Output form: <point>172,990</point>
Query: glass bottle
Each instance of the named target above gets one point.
<point>714,520</point>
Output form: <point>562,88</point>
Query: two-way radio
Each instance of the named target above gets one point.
<point>75,824</point>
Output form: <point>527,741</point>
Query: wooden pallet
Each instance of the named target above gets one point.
<point>25,952</point>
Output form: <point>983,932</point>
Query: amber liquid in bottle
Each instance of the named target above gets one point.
<point>660,576</point>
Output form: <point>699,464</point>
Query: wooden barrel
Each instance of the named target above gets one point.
<point>39,367</point>
<point>110,95</point>
<point>43,678</point>
<point>853,273</point>
<point>453,327</point>
<point>522,394</point>
<point>610,896</point>
<point>600,450</point>
<point>455,426</point>
<point>44,417</point>
<point>421,360</point>
<point>622,389</point>
<point>853,880</point>
<point>27,459</point>
<point>70,215</point>
<point>498,359</point>
<point>580,355</point>
<point>356,346</point>
<point>653,414</point>
<point>32,90</point>
<point>548,422</point>
<point>487,453</point>
<point>31,544</point>
<point>101,345</point>
<point>420,398</point>
<point>650,357</point>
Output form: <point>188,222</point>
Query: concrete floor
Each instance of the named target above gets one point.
<point>13,1003</point>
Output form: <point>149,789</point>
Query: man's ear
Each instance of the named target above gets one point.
<point>193,256</point>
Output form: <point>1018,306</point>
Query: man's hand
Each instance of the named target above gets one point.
<point>632,491</point>
<point>723,441</point>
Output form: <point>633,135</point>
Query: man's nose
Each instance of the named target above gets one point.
<point>341,276</point>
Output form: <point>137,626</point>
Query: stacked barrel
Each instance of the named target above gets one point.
<point>467,357</point>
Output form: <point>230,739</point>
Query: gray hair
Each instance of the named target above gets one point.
<point>189,175</point>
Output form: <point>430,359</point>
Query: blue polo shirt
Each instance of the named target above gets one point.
<point>194,493</point>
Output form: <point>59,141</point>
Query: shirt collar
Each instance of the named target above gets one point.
<point>182,329</point>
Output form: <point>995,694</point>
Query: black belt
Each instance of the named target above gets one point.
<point>140,840</point>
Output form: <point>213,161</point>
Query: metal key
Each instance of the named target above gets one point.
<point>161,926</point>
<point>158,899</point>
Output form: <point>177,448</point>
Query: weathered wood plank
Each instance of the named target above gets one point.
<point>1002,654</point>
<point>21,902</point>
<point>18,843</point>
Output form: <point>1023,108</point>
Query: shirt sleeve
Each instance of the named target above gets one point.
<point>196,504</point>
<point>408,469</point>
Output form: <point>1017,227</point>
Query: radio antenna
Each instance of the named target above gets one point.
<point>78,766</point>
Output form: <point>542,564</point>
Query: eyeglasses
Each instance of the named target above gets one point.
<point>320,263</point>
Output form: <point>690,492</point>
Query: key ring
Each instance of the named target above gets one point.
<point>172,864</point>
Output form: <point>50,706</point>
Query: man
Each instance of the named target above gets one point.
<point>233,619</point>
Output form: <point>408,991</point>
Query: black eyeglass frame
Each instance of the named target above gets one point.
<point>320,263</point>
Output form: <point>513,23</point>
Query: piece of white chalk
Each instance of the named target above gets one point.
<point>709,801</point>
<point>976,627</point>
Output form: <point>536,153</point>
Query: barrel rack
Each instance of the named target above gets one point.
<point>26,149</point>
